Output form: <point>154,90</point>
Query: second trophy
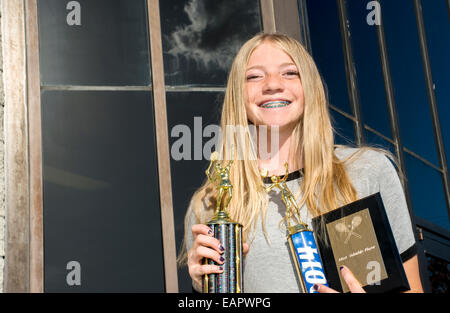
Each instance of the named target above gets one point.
<point>302,243</point>
<point>227,231</point>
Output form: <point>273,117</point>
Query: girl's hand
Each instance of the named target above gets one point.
<point>352,283</point>
<point>205,246</point>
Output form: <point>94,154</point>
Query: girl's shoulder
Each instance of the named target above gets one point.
<point>364,158</point>
<point>370,169</point>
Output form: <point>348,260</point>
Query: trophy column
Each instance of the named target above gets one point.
<point>230,280</point>
<point>228,232</point>
<point>301,240</point>
<point>307,259</point>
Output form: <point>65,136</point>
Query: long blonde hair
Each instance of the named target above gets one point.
<point>326,185</point>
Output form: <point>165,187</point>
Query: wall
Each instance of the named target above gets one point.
<point>2,172</point>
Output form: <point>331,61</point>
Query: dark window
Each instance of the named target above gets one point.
<point>200,38</point>
<point>189,115</point>
<point>408,78</point>
<point>368,68</point>
<point>437,26</point>
<point>439,274</point>
<point>101,195</point>
<point>426,190</point>
<point>344,128</point>
<point>110,47</point>
<point>327,50</point>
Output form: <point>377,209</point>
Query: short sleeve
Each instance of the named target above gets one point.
<point>394,200</point>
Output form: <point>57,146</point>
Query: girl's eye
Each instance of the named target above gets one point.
<point>253,77</point>
<point>291,74</point>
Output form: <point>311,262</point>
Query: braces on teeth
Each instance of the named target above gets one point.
<point>275,104</point>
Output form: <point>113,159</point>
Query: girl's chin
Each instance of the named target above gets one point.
<point>277,120</point>
<point>281,121</point>
<point>281,126</point>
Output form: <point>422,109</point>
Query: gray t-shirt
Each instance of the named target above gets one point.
<point>268,266</point>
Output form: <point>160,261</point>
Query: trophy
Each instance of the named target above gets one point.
<point>301,239</point>
<point>228,232</point>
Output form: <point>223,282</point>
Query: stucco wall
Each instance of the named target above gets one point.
<point>2,172</point>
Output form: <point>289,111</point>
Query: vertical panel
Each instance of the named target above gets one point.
<point>165,182</point>
<point>437,26</point>
<point>350,69</point>
<point>390,100</point>
<point>268,16</point>
<point>101,195</point>
<point>16,152</point>
<point>304,25</point>
<point>35,155</point>
<point>368,68</point>
<point>287,18</point>
<point>432,99</point>
<point>407,75</point>
<point>327,51</point>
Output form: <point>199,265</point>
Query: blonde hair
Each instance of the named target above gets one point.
<point>326,185</point>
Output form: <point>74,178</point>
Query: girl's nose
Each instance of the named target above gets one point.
<point>273,83</point>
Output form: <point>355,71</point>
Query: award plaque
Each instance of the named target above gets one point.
<point>302,244</point>
<point>358,235</point>
<point>227,231</point>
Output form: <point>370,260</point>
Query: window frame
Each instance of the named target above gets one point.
<point>24,261</point>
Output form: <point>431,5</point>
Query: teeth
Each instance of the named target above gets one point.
<point>275,104</point>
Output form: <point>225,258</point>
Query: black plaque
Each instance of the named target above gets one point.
<point>359,236</point>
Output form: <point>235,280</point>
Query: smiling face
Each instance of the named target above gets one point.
<point>273,89</point>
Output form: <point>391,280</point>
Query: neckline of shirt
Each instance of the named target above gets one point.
<point>291,176</point>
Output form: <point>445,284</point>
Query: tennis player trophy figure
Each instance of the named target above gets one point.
<point>228,232</point>
<point>301,239</point>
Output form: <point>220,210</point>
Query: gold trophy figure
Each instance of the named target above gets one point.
<point>222,174</point>
<point>228,232</point>
<point>301,239</point>
<point>286,195</point>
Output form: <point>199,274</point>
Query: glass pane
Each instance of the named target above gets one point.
<point>368,68</point>
<point>325,35</point>
<point>101,198</point>
<point>407,74</point>
<point>187,124</point>
<point>376,141</point>
<point>439,274</point>
<point>109,47</point>
<point>200,38</point>
<point>437,27</point>
<point>427,192</point>
<point>344,129</point>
